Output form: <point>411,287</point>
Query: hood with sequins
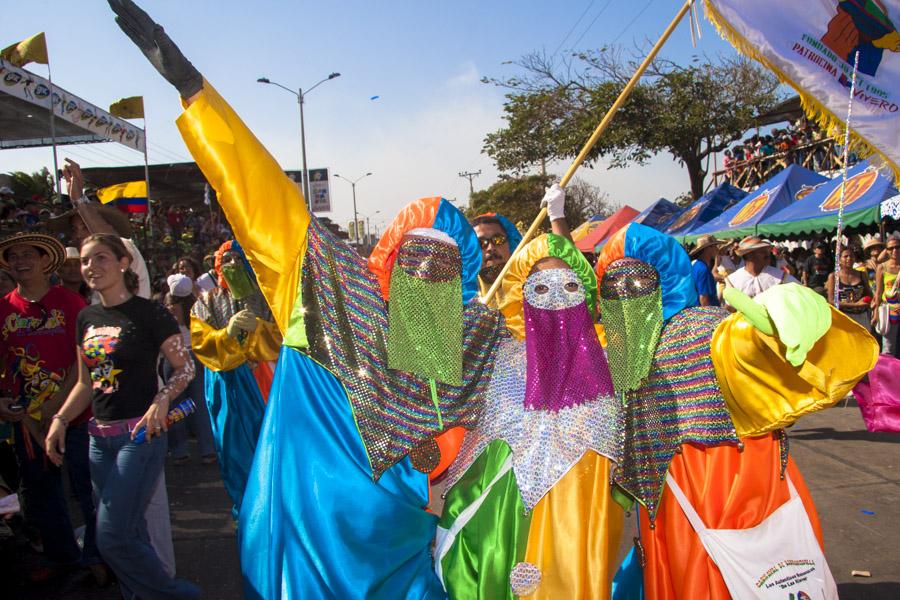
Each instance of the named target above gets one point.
<point>434,213</point>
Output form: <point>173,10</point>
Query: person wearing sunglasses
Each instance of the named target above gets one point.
<point>499,238</point>
<point>37,345</point>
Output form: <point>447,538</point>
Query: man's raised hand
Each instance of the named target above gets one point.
<point>158,47</point>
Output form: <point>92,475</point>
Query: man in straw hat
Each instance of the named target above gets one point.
<point>704,260</point>
<point>757,275</point>
<point>37,346</point>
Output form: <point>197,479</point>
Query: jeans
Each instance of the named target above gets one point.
<point>45,499</point>
<point>198,422</point>
<point>890,341</point>
<point>125,475</point>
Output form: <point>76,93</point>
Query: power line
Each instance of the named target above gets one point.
<point>602,10</point>
<point>632,22</point>
<point>578,22</point>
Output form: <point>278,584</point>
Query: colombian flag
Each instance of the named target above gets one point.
<point>130,197</point>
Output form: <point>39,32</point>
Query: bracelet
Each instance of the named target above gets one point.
<point>64,420</point>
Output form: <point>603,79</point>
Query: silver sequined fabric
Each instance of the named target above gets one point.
<point>217,306</point>
<point>549,289</point>
<point>524,579</point>
<point>544,444</point>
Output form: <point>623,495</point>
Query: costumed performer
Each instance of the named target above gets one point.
<point>529,513</point>
<point>334,507</point>
<point>236,339</point>
<point>706,396</point>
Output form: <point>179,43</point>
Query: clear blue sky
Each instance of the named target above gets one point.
<point>424,59</point>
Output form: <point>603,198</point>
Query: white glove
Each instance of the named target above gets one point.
<point>245,320</point>
<point>555,201</point>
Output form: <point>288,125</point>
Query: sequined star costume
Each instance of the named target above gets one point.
<point>237,377</point>
<point>701,376</point>
<point>333,507</point>
<point>529,512</point>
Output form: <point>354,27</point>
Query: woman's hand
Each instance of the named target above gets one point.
<point>55,443</point>
<point>154,420</point>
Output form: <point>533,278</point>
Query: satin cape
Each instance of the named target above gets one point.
<point>730,489</point>
<point>313,523</point>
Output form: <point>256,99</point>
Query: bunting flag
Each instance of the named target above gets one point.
<point>811,45</point>
<point>130,197</point>
<point>33,49</point>
<point>128,108</point>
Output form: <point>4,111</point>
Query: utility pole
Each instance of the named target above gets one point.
<point>470,177</point>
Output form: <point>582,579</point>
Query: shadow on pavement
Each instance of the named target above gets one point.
<point>829,433</point>
<point>885,590</point>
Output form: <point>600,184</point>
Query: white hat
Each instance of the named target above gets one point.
<point>180,285</point>
<point>6,190</point>
<point>72,253</point>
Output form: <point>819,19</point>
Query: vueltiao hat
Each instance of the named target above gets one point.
<point>751,243</point>
<point>46,243</point>
<point>705,241</point>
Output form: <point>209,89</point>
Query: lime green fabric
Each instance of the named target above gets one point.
<point>485,550</point>
<point>425,325</point>
<point>800,315</point>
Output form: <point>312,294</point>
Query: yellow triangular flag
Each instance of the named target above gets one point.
<point>34,49</point>
<point>130,189</point>
<point>128,108</point>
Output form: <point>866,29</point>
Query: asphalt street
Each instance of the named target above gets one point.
<point>854,477</point>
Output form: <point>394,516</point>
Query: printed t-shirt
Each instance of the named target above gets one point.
<point>817,270</point>
<point>37,345</point>
<point>119,344</point>
<point>705,282</point>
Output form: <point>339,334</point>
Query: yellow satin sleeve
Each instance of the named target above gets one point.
<point>264,343</point>
<point>264,207</point>
<point>574,534</point>
<point>764,392</point>
<point>217,350</point>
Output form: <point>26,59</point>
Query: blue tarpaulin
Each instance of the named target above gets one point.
<point>659,214</point>
<point>706,208</point>
<point>865,190</point>
<point>775,194</point>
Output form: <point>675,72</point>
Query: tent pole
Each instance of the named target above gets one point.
<point>607,118</point>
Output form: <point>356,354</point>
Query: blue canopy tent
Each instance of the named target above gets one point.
<point>659,214</point>
<point>775,194</point>
<point>706,208</point>
<point>866,189</point>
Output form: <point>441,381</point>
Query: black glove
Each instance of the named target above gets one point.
<point>158,47</point>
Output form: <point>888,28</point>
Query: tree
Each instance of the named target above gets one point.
<point>687,111</point>
<point>519,200</point>
<point>28,186</point>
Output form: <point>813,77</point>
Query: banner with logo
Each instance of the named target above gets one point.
<point>811,45</point>
<point>866,189</point>
<point>705,209</point>
<point>770,197</point>
<point>91,124</point>
<point>319,190</point>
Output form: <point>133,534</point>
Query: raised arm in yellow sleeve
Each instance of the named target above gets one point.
<point>217,350</point>
<point>265,208</point>
<point>263,344</point>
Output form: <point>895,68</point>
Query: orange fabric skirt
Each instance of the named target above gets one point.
<point>729,489</point>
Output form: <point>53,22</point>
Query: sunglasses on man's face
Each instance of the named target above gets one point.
<point>495,240</point>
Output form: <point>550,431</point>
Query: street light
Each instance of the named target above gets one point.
<point>368,226</point>
<point>300,94</point>
<point>353,185</point>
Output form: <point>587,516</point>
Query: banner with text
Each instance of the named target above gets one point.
<point>811,45</point>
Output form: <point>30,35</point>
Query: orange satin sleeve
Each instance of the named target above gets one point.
<point>729,489</point>
<point>574,535</point>
<point>449,444</point>
<point>764,392</point>
<point>416,214</point>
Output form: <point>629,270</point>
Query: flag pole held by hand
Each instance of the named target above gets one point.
<point>623,96</point>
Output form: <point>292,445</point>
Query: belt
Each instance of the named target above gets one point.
<point>120,428</point>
